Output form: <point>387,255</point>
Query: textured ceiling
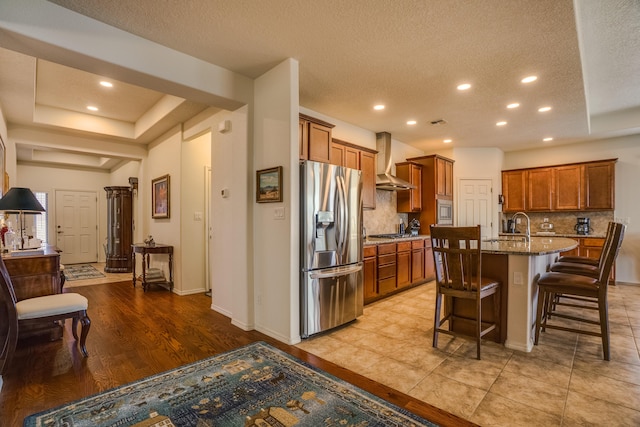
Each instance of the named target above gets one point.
<point>610,33</point>
<point>409,55</point>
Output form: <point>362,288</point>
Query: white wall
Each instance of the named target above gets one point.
<point>164,159</point>
<point>196,156</point>
<point>627,151</point>
<point>231,254</point>
<point>276,244</point>
<point>479,163</point>
<point>50,179</point>
<point>5,139</point>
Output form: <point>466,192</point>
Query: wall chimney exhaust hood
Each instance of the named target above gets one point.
<point>384,179</point>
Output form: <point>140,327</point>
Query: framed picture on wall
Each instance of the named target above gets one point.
<point>160,197</point>
<point>269,185</point>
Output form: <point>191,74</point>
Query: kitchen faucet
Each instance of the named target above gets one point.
<point>513,218</point>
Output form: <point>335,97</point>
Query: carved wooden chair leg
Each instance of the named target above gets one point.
<point>74,327</point>
<point>86,324</point>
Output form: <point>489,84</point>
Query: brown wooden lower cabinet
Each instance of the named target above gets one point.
<point>391,267</point>
<point>417,261</point>
<point>370,273</point>
<point>403,264</point>
<point>386,268</point>
<point>429,265</point>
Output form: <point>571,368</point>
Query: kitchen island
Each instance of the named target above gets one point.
<point>518,264</point>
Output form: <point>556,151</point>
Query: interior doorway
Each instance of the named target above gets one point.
<point>474,205</point>
<point>77,226</point>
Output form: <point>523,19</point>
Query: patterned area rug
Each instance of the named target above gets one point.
<point>81,271</point>
<point>255,385</point>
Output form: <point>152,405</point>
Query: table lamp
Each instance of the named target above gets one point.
<point>20,200</point>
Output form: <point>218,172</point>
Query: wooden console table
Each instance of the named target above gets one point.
<point>34,276</point>
<point>146,250</point>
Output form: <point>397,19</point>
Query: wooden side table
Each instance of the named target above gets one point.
<point>146,251</point>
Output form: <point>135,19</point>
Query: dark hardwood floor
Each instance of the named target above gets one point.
<point>134,335</point>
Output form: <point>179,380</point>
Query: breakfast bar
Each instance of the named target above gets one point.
<point>518,264</point>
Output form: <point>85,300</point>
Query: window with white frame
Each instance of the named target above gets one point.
<point>40,222</point>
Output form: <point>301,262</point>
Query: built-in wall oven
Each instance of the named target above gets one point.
<point>444,214</point>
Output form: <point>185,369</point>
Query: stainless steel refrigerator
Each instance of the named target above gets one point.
<point>331,246</point>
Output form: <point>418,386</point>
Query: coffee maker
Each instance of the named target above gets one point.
<point>583,226</point>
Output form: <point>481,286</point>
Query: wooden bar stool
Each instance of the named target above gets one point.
<point>457,256</point>
<point>592,290</point>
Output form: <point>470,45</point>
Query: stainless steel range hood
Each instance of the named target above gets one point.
<point>384,179</point>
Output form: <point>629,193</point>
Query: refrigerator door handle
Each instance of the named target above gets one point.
<point>334,272</point>
<point>342,222</point>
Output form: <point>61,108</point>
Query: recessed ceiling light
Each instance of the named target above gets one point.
<point>378,107</point>
<point>548,139</point>
<point>529,79</point>
<point>447,141</point>
<point>411,122</point>
<point>106,84</point>
<point>464,86</point>
<point>501,123</point>
<point>92,108</point>
<point>514,105</point>
<point>544,109</point>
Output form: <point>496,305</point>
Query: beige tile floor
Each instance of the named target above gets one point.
<point>562,382</point>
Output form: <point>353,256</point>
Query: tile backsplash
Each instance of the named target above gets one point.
<point>383,219</point>
<point>564,222</point>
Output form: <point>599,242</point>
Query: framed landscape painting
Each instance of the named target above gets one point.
<point>269,185</point>
<point>160,197</point>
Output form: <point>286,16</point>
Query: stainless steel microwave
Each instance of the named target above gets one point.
<point>444,214</point>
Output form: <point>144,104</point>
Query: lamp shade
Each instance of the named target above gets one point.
<point>20,199</point>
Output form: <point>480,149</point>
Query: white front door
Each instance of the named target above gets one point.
<point>474,205</point>
<point>77,226</point>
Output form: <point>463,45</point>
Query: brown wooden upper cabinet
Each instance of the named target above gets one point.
<point>344,153</point>
<point>572,187</point>
<point>316,143</point>
<point>599,185</point>
<point>368,168</point>
<point>314,139</point>
<point>568,188</point>
<point>444,181</point>
<point>514,189</point>
<point>540,190</point>
<point>436,184</point>
<point>410,200</point>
